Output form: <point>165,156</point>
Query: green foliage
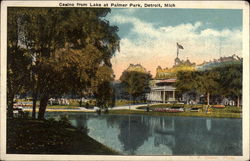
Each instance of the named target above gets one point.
<point>202,81</point>
<point>18,61</point>
<point>64,120</point>
<point>224,80</point>
<point>126,102</point>
<point>71,48</point>
<point>18,70</point>
<point>186,81</point>
<point>172,105</point>
<point>104,95</point>
<point>227,109</point>
<point>102,87</point>
<point>135,83</point>
<point>206,82</point>
<point>51,119</point>
<point>230,79</point>
<point>26,115</point>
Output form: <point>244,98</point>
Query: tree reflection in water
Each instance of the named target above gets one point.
<point>133,133</point>
<point>150,135</point>
<point>81,122</point>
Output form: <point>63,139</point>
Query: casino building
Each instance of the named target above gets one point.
<point>162,91</point>
<point>162,87</point>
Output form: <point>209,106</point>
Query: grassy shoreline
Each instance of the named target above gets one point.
<point>151,113</point>
<point>29,136</point>
<point>226,112</point>
<point>181,114</point>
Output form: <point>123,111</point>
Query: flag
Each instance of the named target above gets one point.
<point>179,46</point>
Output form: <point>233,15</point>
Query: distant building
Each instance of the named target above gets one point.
<point>163,89</point>
<point>218,62</point>
<point>179,65</point>
<point>179,62</point>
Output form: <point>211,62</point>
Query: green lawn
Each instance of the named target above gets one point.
<point>192,114</point>
<point>126,102</point>
<point>227,109</point>
<point>63,106</point>
<point>27,136</point>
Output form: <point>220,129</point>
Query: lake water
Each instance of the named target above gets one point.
<point>162,135</point>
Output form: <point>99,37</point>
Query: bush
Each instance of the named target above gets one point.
<point>26,115</point>
<point>64,120</point>
<point>51,121</point>
<point>228,109</point>
<point>84,129</point>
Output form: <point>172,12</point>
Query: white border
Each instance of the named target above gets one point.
<point>179,4</point>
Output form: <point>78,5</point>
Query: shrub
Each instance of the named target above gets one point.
<point>26,115</point>
<point>64,120</point>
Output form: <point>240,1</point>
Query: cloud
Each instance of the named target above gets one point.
<point>153,45</point>
<point>139,27</point>
<point>130,10</point>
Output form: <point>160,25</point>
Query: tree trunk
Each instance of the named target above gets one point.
<point>34,106</point>
<point>10,103</point>
<point>208,97</point>
<point>130,103</point>
<point>80,103</point>
<point>42,108</point>
<point>238,101</point>
<point>34,94</point>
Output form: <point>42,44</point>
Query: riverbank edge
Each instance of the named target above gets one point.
<point>152,113</point>
<point>178,114</point>
<point>23,139</point>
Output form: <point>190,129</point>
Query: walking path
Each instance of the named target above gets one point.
<point>127,107</point>
<point>83,109</point>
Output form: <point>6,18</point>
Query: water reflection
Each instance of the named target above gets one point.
<point>208,124</point>
<point>149,135</point>
<point>133,134</point>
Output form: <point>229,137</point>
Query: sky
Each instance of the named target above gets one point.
<point>148,36</point>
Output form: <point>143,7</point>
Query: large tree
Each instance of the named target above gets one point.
<point>203,82</point>
<point>207,83</point>
<point>68,45</point>
<point>18,61</point>
<point>135,83</point>
<point>224,80</point>
<point>186,81</point>
<point>231,80</point>
<point>102,87</point>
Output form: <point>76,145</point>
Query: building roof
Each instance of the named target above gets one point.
<point>171,80</point>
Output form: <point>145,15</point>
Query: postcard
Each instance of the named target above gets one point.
<point>124,80</point>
